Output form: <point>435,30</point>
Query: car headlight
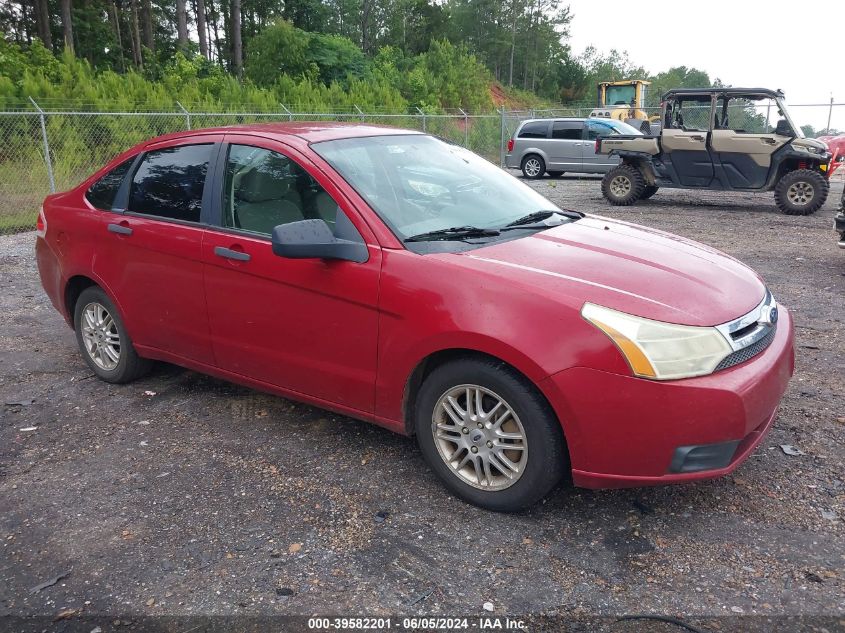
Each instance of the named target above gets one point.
<point>657,350</point>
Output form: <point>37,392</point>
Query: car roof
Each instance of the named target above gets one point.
<point>560,118</point>
<point>304,131</point>
<point>728,91</point>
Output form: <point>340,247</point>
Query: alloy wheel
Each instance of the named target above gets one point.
<point>620,186</point>
<point>532,167</point>
<point>800,193</point>
<point>480,437</point>
<point>100,336</point>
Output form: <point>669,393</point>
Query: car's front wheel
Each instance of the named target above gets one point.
<point>489,435</point>
<point>801,192</point>
<point>623,185</point>
<point>103,339</point>
<point>533,166</point>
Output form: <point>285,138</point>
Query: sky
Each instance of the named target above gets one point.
<point>748,43</point>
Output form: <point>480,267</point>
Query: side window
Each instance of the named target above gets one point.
<point>570,130</point>
<point>264,189</point>
<point>169,182</point>
<point>534,129</point>
<point>102,193</point>
<point>596,130</point>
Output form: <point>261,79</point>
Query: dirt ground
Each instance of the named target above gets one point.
<point>182,495</point>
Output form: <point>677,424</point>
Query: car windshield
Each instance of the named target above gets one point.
<point>419,184</point>
<point>620,95</point>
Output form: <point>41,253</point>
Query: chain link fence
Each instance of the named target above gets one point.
<point>43,151</point>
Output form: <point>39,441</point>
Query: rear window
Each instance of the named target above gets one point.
<point>570,130</point>
<point>535,129</point>
<point>103,192</point>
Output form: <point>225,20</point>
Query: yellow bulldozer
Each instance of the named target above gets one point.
<point>625,101</point>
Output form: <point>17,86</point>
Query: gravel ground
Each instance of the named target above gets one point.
<point>181,494</point>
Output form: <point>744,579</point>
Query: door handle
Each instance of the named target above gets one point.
<point>769,141</point>
<point>696,138</point>
<point>228,253</point>
<point>120,229</point>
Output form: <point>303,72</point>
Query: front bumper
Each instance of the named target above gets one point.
<point>624,431</point>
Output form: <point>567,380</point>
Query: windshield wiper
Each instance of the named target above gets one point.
<point>537,216</point>
<point>453,233</point>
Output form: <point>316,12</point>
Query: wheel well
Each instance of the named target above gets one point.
<point>73,289</point>
<point>529,155</point>
<point>437,359</point>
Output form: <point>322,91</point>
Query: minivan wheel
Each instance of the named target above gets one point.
<point>623,185</point>
<point>801,192</point>
<point>103,340</point>
<point>489,435</point>
<point>533,167</point>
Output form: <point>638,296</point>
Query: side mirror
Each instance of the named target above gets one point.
<point>309,239</point>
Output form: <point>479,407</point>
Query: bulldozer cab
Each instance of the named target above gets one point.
<point>628,93</point>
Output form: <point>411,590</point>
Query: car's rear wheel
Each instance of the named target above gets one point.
<point>623,185</point>
<point>648,192</point>
<point>103,340</point>
<point>533,166</point>
<point>556,174</point>
<point>801,192</point>
<point>489,435</point>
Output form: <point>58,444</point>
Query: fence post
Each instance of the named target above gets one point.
<point>466,128</point>
<point>422,114</point>
<point>360,112</point>
<point>502,140</point>
<point>187,115</point>
<point>288,112</point>
<point>829,113</point>
<point>47,157</point>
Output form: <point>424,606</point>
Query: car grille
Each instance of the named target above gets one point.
<point>747,353</point>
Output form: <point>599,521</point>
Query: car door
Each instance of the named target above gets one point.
<point>594,162</point>
<point>308,326</point>
<point>685,140</point>
<point>150,254</point>
<point>566,145</point>
<point>743,155</point>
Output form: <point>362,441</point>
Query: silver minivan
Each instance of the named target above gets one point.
<point>555,146</point>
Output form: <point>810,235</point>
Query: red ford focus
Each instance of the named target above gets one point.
<point>395,278</point>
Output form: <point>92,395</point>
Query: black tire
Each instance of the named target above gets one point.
<point>129,365</point>
<point>546,457</point>
<point>801,192</point>
<point>648,192</point>
<point>528,169</point>
<point>556,174</point>
<point>628,194</point>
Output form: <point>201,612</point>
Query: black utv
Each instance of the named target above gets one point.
<point>721,139</point>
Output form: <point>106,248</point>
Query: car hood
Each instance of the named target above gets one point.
<point>626,267</point>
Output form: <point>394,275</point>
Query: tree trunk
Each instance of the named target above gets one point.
<point>366,11</point>
<point>202,28</point>
<point>147,17</point>
<point>137,56</point>
<point>42,23</point>
<point>118,36</point>
<point>237,46</point>
<point>182,25</point>
<point>67,25</point>
<point>214,16</point>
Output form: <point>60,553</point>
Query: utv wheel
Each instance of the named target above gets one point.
<point>489,435</point>
<point>556,174</point>
<point>103,340</point>
<point>801,192</point>
<point>623,185</point>
<point>648,192</point>
<point>533,167</point>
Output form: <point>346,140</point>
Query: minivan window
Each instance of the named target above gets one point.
<point>169,182</point>
<point>570,130</point>
<point>264,189</point>
<point>103,192</point>
<point>534,129</point>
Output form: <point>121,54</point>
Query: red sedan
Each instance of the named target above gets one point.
<point>393,277</point>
